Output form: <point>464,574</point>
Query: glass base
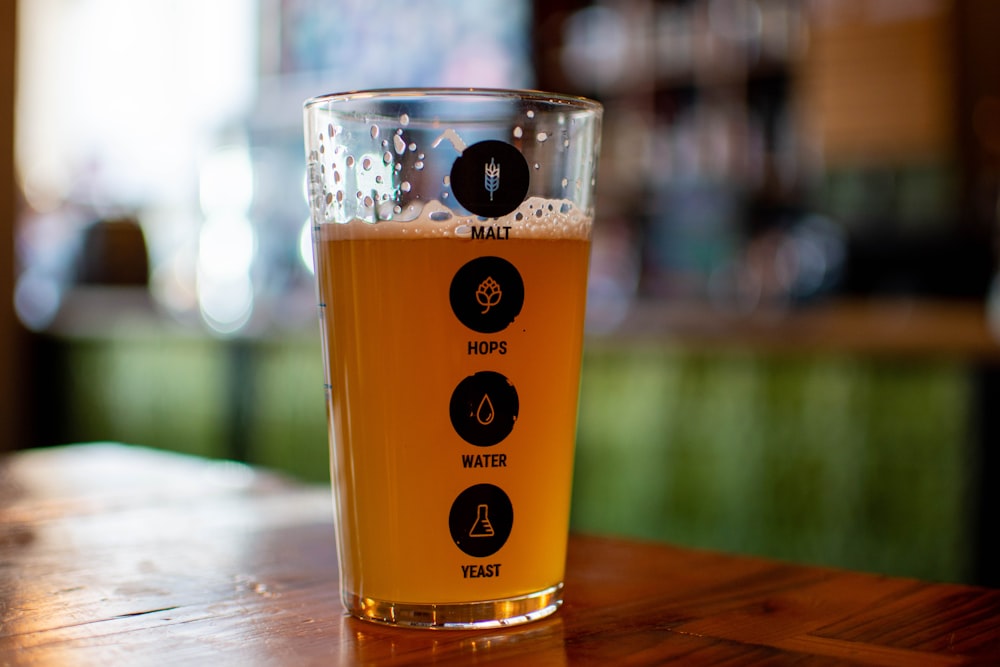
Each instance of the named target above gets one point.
<point>458,615</point>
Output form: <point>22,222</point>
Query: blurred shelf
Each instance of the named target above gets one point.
<point>907,327</point>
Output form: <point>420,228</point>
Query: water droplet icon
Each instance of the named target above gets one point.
<point>485,413</point>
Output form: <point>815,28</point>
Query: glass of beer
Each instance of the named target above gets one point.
<point>451,236</point>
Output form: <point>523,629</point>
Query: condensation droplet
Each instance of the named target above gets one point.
<point>418,165</point>
<point>360,194</point>
<point>542,137</point>
<point>366,164</point>
<point>538,166</point>
<point>446,180</point>
<point>350,161</point>
<point>340,196</point>
<point>329,197</point>
<point>336,177</point>
<point>397,209</point>
<point>369,201</point>
<point>374,131</point>
<point>405,186</point>
<point>518,133</point>
<point>322,149</point>
<point>565,143</point>
<point>404,119</point>
<point>379,179</point>
<point>412,147</point>
<point>398,168</point>
<point>387,158</point>
<point>420,156</point>
<point>330,131</point>
<point>531,113</point>
<point>398,144</point>
<point>565,182</point>
<point>440,216</point>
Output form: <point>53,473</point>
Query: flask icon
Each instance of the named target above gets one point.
<point>482,527</point>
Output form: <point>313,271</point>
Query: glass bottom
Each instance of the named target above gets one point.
<point>458,615</point>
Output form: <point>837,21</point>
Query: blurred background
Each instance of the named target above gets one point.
<point>793,316</point>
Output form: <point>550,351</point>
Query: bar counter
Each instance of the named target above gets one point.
<point>112,554</point>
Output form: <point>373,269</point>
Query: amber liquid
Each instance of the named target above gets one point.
<point>396,352</point>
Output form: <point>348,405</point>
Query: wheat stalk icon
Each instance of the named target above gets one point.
<point>492,181</point>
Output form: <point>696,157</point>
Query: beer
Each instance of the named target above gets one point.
<point>453,365</point>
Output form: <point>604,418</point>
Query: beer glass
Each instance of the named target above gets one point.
<point>451,235</point>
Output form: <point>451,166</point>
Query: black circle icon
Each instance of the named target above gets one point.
<point>490,178</point>
<point>487,294</point>
<point>480,520</point>
<point>484,408</point>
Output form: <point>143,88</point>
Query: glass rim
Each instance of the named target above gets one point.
<point>513,94</point>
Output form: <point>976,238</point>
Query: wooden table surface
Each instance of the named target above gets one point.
<point>118,555</point>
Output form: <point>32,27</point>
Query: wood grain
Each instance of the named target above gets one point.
<point>121,555</point>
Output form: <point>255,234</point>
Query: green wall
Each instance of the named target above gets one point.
<point>835,459</point>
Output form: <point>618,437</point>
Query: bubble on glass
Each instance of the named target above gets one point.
<point>565,143</point>
<point>404,119</point>
<point>518,132</point>
<point>566,207</point>
<point>440,216</point>
<point>398,144</point>
<point>539,213</point>
<point>542,137</point>
<point>518,217</point>
<point>374,131</point>
<point>330,131</point>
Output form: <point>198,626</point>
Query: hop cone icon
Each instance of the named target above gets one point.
<point>492,180</point>
<point>488,294</point>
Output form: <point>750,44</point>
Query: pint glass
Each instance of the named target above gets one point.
<point>451,235</point>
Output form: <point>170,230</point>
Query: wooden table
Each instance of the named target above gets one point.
<point>119,555</point>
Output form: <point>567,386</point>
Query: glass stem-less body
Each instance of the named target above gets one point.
<point>451,243</point>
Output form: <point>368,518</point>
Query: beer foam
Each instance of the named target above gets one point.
<point>535,218</point>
